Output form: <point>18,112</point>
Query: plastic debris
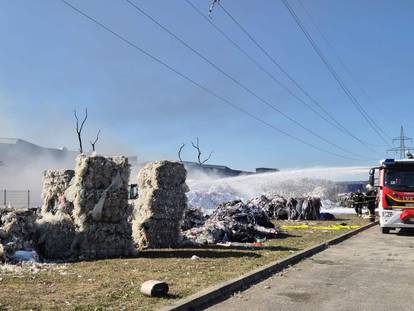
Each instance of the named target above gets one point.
<point>31,256</point>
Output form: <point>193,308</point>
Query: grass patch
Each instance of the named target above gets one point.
<point>114,284</point>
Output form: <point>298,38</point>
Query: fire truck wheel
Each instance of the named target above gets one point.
<point>385,230</point>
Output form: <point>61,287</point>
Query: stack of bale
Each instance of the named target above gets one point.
<point>55,183</point>
<point>56,230</point>
<point>97,226</point>
<point>100,198</point>
<point>160,206</point>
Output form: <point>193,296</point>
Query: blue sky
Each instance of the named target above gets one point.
<point>52,61</point>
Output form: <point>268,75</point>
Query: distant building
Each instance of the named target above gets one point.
<point>21,152</point>
<point>194,168</point>
<point>15,151</point>
<point>261,170</point>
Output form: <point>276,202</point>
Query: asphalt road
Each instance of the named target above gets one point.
<point>370,271</point>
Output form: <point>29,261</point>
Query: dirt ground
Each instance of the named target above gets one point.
<point>114,284</point>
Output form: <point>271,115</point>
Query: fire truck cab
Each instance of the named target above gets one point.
<point>395,193</point>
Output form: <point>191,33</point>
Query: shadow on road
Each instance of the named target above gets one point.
<point>406,232</point>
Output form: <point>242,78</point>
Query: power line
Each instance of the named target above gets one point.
<point>330,45</point>
<point>198,85</point>
<point>277,64</point>
<point>258,65</point>
<point>237,82</point>
<point>333,72</point>
<point>334,123</point>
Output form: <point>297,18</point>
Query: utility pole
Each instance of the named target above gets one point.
<point>402,149</point>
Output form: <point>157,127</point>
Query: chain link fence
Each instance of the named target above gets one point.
<point>21,199</point>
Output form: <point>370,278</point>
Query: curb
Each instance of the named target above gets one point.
<point>222,291</point>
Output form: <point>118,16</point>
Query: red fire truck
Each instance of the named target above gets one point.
<point>395,193</point>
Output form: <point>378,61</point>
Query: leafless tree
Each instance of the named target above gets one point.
<point>180,150</point>
<point>95,141</point>
<point>80,128</point>
<point>197,147</point>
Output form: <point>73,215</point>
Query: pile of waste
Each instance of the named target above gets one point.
<point>193,217</point>
<point>233,221</point>
<point>278,207</point>
<point>17,232</point>
<point>159,209</point>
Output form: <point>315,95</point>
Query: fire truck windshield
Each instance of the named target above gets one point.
<point>400,180</point>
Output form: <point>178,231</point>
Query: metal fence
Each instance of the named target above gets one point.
<point>20,198</point>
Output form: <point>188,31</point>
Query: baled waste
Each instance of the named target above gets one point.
<point>55,183</point>
<point>159,209</point>
<point>97,226</point>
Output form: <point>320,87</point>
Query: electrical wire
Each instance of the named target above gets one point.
<point>333,72</point>
<point>280,67</point>
<point>198,85</point>
<point>348,71</point>
<point>237,82</point>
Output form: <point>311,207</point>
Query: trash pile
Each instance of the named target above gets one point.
<point>233,221</point>
<point>17,232</point>
<point>97,226</point>
<point>159,209</point>
<point>278,207</point>
<point>55,183</point>
<point>193,217</point>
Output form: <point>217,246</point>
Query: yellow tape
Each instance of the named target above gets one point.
<point>331,227</point>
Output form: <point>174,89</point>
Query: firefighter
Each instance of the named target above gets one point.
<point>371,199</point>
<point>358,201</point>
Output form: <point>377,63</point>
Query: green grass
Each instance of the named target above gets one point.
<point>114,284</point>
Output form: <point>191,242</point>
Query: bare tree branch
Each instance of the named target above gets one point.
<point>199,153</point>
<point>179,151</point>
<point>79,129</point>
<point>207,158</point>
<point>95,141</point>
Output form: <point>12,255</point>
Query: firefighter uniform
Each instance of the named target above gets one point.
<point>371,199</point>
<point>358,201</point>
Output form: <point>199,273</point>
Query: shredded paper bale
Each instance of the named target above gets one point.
<point>55,236</point>
<point>55,183</point>
<point>160,206</point>
<point>101,211</point>
<point>97,224</point>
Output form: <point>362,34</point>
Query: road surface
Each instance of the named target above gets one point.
<point>370,271</point>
